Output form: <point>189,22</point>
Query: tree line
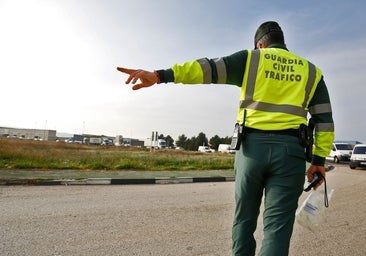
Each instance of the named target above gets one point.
<point>194,142</point>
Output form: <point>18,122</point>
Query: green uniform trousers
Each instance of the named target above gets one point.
<point>273,164</point>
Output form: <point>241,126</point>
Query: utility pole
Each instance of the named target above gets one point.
<point>44,132</point>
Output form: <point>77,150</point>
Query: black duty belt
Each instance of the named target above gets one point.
<point>291,132</point>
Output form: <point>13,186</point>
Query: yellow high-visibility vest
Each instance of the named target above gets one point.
<point>277,88</point>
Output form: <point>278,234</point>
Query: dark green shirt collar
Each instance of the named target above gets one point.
<point>281,46</point>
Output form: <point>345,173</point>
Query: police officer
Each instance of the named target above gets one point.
<point>277,91</point>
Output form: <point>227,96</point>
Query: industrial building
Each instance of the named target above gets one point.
<point>50,135</point>
<point>21,133</point>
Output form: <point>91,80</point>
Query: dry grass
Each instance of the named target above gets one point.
<point>29,154</point>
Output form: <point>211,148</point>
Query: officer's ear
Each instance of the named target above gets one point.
<point>260,45</point>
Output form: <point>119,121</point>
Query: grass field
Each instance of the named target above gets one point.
<point>42,159</point>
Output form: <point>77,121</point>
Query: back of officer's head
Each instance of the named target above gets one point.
<point>269,33</point>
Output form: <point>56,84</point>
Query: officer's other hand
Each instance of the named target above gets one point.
<point>315,169</point>
<point>146,78</point>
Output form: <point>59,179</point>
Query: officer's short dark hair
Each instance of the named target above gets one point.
<point>272,38</point>
<point>272,31</point>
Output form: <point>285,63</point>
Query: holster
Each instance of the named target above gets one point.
<point>306,139</point>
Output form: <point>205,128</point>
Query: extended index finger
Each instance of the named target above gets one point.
<point>126,70</point>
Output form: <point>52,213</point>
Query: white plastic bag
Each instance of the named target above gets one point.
<point>312,212</point>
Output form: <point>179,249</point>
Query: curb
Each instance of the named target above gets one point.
<point>110,181</point>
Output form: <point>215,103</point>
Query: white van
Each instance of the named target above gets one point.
<point>358,157</point>
<point>205,149</point>
<point>225,148</point>
<point>340,152</point>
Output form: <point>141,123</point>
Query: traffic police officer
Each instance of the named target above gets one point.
<point>277,91</point>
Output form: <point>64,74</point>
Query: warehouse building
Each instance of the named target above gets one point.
<point>38,134</point>
<point>133,142</point>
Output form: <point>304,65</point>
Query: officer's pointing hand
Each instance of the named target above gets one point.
<point>147,78</point>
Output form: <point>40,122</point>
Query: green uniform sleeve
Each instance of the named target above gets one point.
<point>321,112</point>
<point>226,70</point>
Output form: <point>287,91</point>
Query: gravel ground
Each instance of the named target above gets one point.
<point>168,219</point>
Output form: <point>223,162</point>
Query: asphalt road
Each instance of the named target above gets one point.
<point>167,219</point>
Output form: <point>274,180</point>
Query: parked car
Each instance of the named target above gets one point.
<point>205,149</point>
<point>340,152</point>
<point>358,157</point>
<point>107,142</point>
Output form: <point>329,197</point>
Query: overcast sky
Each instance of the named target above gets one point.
<point>58,61</point>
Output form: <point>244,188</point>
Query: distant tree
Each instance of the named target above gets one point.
<point>202,139</point>
<point>169,141</point>
<point>226,140</point>
<point>215,142</point>
<point>182,141</point>
<point>191,144</point>
<point>194,142</point>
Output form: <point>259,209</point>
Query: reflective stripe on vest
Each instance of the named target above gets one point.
<point>324,127</point>
<point>320,108</point>
<point>207,70</point>
<point>249,102</point>
<point>221,71</point>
